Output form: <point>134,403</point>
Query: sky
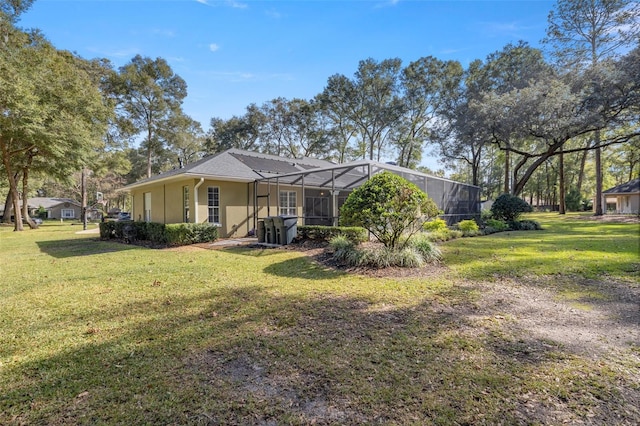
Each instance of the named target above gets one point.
<point>233,53</point>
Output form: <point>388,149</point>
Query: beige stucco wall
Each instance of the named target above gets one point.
<point>236,203</point>
<point>628,204</point>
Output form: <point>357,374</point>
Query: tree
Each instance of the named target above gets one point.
<point>243,132</point>
<point>184,139</point>
<point>462,135</point>
<point>149,93</point>
<point>427,85</point>
<point>52,114</point>
<point>12,9</point>
<point>370,102</point>
<point>390,207</point>
<point>585,33</point>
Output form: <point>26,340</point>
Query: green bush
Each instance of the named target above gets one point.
<point>436,224</point>
<point>524,225</point>
<point>444,235</point>
<point>469,228</point>
<point>486,215</point>
<point>159,233</point>
<point>190,233</point>
<point>498,225</point>
<point>509,207</point>
<point>390,207</point>
<point>326,233</point>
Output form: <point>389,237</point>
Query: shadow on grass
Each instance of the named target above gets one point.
<point>81,247</point>
<point>248,356</point>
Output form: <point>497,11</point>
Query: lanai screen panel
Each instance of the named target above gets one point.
<point>458,201</point>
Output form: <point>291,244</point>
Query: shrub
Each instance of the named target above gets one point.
<point>486,215</point>
<point>524,225</point>
<point>159,233</point>
<point>190,233</point>
<point>509,207</point>
<point>469,228</point>
<point>436,224</point>
<point>390,207</point>
<point>498,225</point>
<point>444,235</point>
<point>354,234</point>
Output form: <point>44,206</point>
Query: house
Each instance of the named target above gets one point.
<point>625,197</point>
<point>56,208</point>
<point>235,188</point>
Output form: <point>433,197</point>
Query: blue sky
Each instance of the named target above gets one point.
<point>236,52</point>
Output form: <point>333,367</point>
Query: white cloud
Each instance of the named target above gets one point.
<point>203,2</point>
<point>512,29</point>
<point>214,47</point>
<point>121,53</point>
<point>237,5</point>
<point>164,33</point>
<point>271,13</point>
<point>244,76</point>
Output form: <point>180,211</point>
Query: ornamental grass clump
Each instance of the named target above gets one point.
<point>417,253</point>
<point>427,249</point>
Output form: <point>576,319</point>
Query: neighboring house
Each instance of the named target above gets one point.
<point>56,208</point>
<point>235,188</point>
<point>625,197</point>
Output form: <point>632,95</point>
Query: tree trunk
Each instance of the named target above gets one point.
<point>25,198</point>
<point>583,162</point>
<point>13,187</point>
<point>507,187</point>
<point>84,199</point>
<point>562,209</point>
<point>598,202</point>
<point>149,154</point>
<point>8,208</point>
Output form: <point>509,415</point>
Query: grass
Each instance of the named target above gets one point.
<point>95,332</point>
<point>566,246</point>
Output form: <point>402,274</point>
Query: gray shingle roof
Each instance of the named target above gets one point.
<point>48,202</point>
<point>629,187</point>
<point>241,165</point>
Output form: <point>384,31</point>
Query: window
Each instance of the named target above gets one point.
<point>288,203</point>
<point>185,204</point>
<point>213,202</point>
<point>147,206</point>
<point>68,213</point>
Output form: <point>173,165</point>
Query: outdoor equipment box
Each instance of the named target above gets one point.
<point>288,229</point>
<point>261,231</point>
<point>270,232</point>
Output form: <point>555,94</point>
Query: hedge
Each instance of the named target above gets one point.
<point>174,234</point>
<point>326,233</point>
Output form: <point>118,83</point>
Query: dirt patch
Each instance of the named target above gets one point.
<point>600,318</point>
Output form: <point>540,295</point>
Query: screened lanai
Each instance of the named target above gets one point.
<point>325,189</point>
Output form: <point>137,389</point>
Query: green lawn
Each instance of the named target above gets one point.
<point>95,332</point>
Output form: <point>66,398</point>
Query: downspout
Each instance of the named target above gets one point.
<point>195,200</point>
